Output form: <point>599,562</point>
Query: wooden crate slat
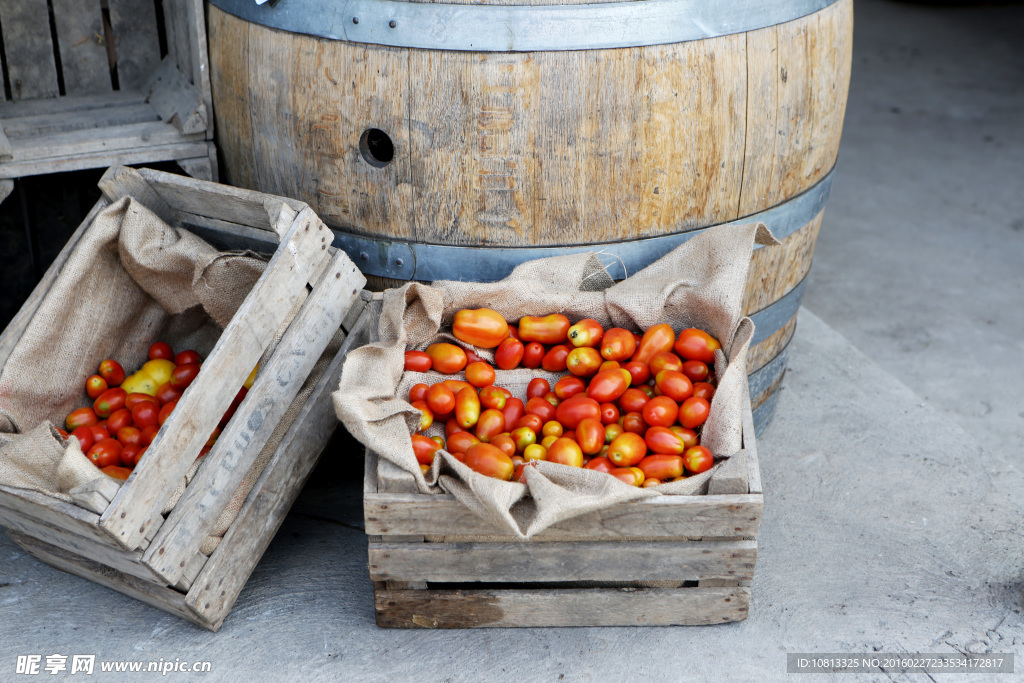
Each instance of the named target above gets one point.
<point>176,100</point>
<point>521,607</point>
<point>195,515</point>
<point>76,162</point>
<point>135,40</point>
<point>301,258</point>
<point>52,511</point>
<point>180,46</point>
<point>101,140</point>
<point>83,50</point>
<point>661,517</point>
<point>66,105</point>
<point>29,49</point>
<point>750,446</point>
<point>6,153</point>
<point>41,125</point>
<point>568,561</point>
<point>226,235</point>
<point>166,599</point>
<point>215,591</point>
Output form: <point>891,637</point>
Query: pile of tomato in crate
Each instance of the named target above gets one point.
<point>128,411</point>
<point>631,405</point>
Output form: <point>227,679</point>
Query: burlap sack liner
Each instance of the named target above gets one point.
<point>699,284</point>
<point>131,280</point>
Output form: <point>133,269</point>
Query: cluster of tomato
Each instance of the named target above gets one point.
<point>632,405</point>
<point>128,411</point>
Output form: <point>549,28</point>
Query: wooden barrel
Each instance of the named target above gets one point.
<point>456,140</point>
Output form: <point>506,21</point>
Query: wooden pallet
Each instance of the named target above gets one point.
<point>117,535</point>
<point>101,93</point>
<point>669,560</point>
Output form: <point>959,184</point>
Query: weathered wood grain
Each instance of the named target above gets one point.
<point>54,512</point>
<point>120,181</point>
<point>135,40</point>
<point>28,47</point>
<point>83,50</point>
<point>569,561</point>
<point>664,516</point>
<point>393,479</point>
<point>95,495</point>
<point>6,153</point>
<point>217,587</point>
<point>731,477</point>
<point>115,113</point>
<point>77,105</point>
<point>523,607</point>
<point>176,100</point>
<point>200,169</point>
<point>101,159</point>
<point>776,270</point>
<point>229,83</point>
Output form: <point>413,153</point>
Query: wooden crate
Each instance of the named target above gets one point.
<point>116,535</point>
<point>669,560</point>
<point>87,87</point>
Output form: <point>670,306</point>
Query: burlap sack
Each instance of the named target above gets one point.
<point>130,281</point>
<point>699,284</point>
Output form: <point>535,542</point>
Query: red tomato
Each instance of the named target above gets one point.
<point>538,386</point>
<point>633,400</point>
<point>418,392</point>
<point>617,344</point>
<point>608,385</point>
<point>105,452</point>
<point>147,435</point>
<point>634,422</point>
<point>513,410</point>
<point>95,385</point>
<point>85,437</point>
<point>493,397</point>
<point>600,464</point>
<point>99,433</point>
<point>129,454</point>
<point>664,440</point>
<point>490,424</point>
<point>424,449</point>
<point>576,408</point>
<point>489,461</point>
<point>695,370</point>
<point>656,339</point>
<point>165,393</point>
<point>675,385</point>
<point>116,472</point>
<point>509,353</point>
<point>660,411</point>
<point>131,400</point>
<point>555,359</point>
<point>459,442</point>
<point>165,412</point>
<point>633,476</point>
<point>418,361</point>
<point>569,386</point>
<point>565,452</point>
<point>513,332</point>
<point>456,385</point>
<point>694,344</point>
<point>627,449</point>
<point>533,355</point>
<point>183,375</point>
<point>109,401</point>
<point>441,399</point>
<point>587,332</point>
<point>447,358</point>
<point>583,361</point>
<point>550,329</point>
<point>703,390</point>
<point>639,372</point>
<point>590,435</point>
<point>426,415</point>
<point>467,407</point>
<point>534,422</point>
<point>81,417</point>
<point>480,374</point>
<point>665,360</point>
<point>118,420</point>
<point>694,412</point>
<point>112,372</point>
<point>451,426</point>
<point>186,357</point>
<point>161,350</point>
<point>232,407</point>
<point>506,443</point>
<point>698,459</point>
<point>688,436</point>
<point>609,413</point>
<point>541,408</point>
<point>481,327</point>
<point>145,414</point>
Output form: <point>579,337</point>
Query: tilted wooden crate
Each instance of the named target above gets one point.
<point>87,87</point>
<point>117,535</point>
<point>683,560</point>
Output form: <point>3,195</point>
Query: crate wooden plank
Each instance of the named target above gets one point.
<point>166,599</point>
<point>731,476</point>
<point>180,43</point>
<point>63,105</point>
<point>53,512</point>
<point>370,461</point>
<point>187,48</point>
<point>40,125</point>
<point>223,202</point>
<point>195,515</point>
<point>6,153</point>
<point>135,40</point>
<point>201,168</point>
<point>105,553</point>
<point>83,50</point>
<point>215,591</point>
<point>100,140</point>
<point>660,517</point>
<point>562,561</point>
<point>28,46</point>
<point>750,446</point>
<point>523,607</point>
<point>301,258</point>
<point>77,162</point>
<point>95,495</point>
<point>393,479</point>
<point>119,182</point>
<point>176,100</point>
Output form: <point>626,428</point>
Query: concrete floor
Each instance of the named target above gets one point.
<point>892,471</point>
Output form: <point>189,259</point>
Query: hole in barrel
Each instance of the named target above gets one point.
<point>376,147</point>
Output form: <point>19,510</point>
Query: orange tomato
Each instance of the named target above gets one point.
<point>565,452</point>
<point>633,476</point>
<point>698,459</point>
<point>426,415</point>
<point>583,361</point>
<point>694,344</point>
<point>535,452</point>
<point>657,338</point>
<point>493,397</point>
<point>467,407</point>
<point>441,399</point>
<point>95,385</point>
<point>627,449</point>
<point>662,466</point>
<point>490,424</point>
<point>447,358</point>
<point>694,412</point>
<point>418,361</point>
<point>489,461</point>
<point>590,435</point>
<point>481,327</point>
<point>587,332</point>
<point>618,344</point>
<point>549,329</point>
<point>116,472</point>
<point>505,442</point>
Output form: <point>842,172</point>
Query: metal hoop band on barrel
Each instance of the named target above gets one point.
<point>520,28</point>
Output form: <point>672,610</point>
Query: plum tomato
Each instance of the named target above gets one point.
<point>634,422</point>
<point>609,413</point>
<point>639,372</point>
<point>583,361</point>
<point>467,408</point>
<point>703,390</point>
<point>509,353</point>
<point>128,455</point>
<point>688,436</point>
<point>649,482</point>
<point>147,435</point>
<point>590,436</point>
<point>541,408</point>
<point>116,472</point>
<point>569,386</point>
<point>473,357</point>
<point>535,452</point>
<point>634,476</point>
<point>95,385</point>
<point>99,433</point>
<point>447,358</point>
<point>81,417</point>
<point>418,361</point>
<point>576,408</point>
<point>587,332</point>
<point>608,385</point>
<point>424,448</point>
<point>145,414</point>
<point>565,452</point>
<point>530,420</point>
<point>131,400</point>
<point>165,412</point>
<point>165,393</point>
<point>183,376</point>
<point>549,329</point>
<point>633,400</point>
<point>489,461</point>
<point>480,327</point>
<point>490,424</point>
<point>660,411</point>
<point>119,419</point>
<point>161,350</point>
<point>505,442</point>
<point>418,392</point>
<point>617,344</point>
<point>695,370</point>
<point>664,441</point>
<point>426,415</point>
<point>694,344</point>
<point>698,459</point>
<point>523,437</point>
<point>611,431</point>
<point>111,372</point>
<point>555,359</point>
<point>656,338</point>
<point>160,370</point>
<point>537,387</point>
<point>493,397</point>
<point>480,374</point>
<point>600,464</point>
<point>109,401</point>
<point>105,452</point>
<point>694,412</point>
<point>456,385</point>
<point>552,428</point>
<point>130,436</point>
<point>85,437</point>
<point>459,442</point>
<point>674,384</point>
<point>513,410</point>
<point>665,360</point>
<point>533,355</point>
<point>441,399</point>
<point>188,356</point>
<point>627,449</point>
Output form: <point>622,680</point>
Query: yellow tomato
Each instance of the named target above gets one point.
<point>160,370</point>
<point>140,383</point>
<point>252,377</point>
